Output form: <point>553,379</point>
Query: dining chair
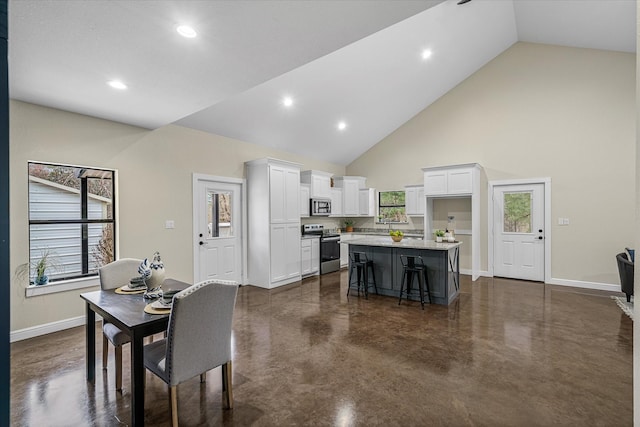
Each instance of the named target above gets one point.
<point>198,339</point>
<point>114,275</point>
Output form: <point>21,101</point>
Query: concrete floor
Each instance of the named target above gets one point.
<point>505,353</point>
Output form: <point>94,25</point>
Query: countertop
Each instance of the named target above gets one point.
<point>381,233</point>
<point>405,243</point>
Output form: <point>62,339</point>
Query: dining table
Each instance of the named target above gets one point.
<point>126,311</point>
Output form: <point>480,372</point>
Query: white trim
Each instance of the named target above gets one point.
<point>547,219</point>
<point>62,286</point>
<point>48,328</point>
<point>583,284</point>
<point>481,273</point>
<point>243,188</point>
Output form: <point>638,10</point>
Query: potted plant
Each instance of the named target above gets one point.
<point>348,225</point>
<point>39,268</point>
<point>439,235</point>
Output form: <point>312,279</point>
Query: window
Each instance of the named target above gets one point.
<point>517,212</point>
<point>391,206</point>
<point>71,219</point>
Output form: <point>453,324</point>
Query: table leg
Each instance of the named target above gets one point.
<point>91,344</point>
<point>137,380</point>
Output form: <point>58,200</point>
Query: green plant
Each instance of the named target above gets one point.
<point>39,268</point>
<point>396,233</point>
<point>348,222</point>
<point>439,233</point>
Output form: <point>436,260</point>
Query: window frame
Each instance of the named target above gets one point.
<point>380,205</point>
<point>85,278</point>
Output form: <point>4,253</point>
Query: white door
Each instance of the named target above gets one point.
<point>518,231</point>
<point>218,227</point>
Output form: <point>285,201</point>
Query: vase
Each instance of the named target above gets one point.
<point>42,280</point>
<point>156,279</point>
<point>439,239</point>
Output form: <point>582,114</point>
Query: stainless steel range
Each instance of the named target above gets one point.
<point>329,247</point>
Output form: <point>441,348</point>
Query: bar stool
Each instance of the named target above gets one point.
<point>412,266</point>
<point>358,261</point>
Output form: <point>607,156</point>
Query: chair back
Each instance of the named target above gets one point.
<point>199,333</point>
<point>409,261</point>
<point>118,273</point>
<point>359,257</point>
<point>625,270</point>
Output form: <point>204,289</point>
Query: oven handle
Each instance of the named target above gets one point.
<point>330,239</point>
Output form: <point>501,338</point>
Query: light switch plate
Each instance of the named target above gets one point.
<point>169,224</point>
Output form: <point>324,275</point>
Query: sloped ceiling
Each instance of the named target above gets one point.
<point>359,62</point>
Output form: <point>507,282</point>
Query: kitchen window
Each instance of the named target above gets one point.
<point>71,219</point>
<point>391,206</point>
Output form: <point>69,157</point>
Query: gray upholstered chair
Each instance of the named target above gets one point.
<point>198,339</point>
<point>114,275</point>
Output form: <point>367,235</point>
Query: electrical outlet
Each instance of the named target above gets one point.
<point>169,224</point>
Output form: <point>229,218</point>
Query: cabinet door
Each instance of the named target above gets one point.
<point>435,183</point>
<point>410,200</point>
<point>278,252</point>
<point>277,193</point>
<point>315,255</point>
<point>305,256</point>
<point>292,250</point>
<point>304,200</point>
<point>351,198</point>
<point>336,202</point>
<point>321,186</point>
<point>420,201</point>
<point>459,181</point>
<point>367,202</point>
<point>291,195</point>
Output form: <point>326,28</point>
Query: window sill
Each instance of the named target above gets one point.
<point>62,286</point>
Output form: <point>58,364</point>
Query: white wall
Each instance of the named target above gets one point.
<point>155,177</point>
<point>536,111</point>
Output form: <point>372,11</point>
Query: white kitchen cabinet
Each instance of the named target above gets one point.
<point>350,186</point>
<point>304,200</point>
<point>336,202</point>
<point>310,256</point>
<point>344,249</point>
<point>273,222</point>
<point>447,181</point>
<point>319,183</point>
<point>414,200</point>
<point>367,202</point>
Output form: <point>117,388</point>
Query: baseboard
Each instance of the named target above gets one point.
<point>583,284</point>
<point>47,328</point>
<point>468,272</point>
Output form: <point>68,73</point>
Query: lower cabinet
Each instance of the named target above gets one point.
<point>310,256</point>
<point>285,251</point>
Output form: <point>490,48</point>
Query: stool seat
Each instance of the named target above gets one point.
<point>359,262</point>
<point>413,266</point>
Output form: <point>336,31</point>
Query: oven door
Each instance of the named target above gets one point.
<point>329,254</point>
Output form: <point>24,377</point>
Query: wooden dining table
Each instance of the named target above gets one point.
<point>127,313</point>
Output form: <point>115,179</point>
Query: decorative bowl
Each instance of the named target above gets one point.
<point>396,238</point>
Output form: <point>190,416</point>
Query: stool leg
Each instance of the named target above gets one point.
<point>420,284</point>
<point>426,283</point>
<point>365,281</point>
<point>409,282</point>
<point>350,279</point>
<point>373,275</point>
<point>359,274</point>
<point>402,282</point>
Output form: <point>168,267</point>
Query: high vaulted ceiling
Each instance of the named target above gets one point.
<point>353,61</point>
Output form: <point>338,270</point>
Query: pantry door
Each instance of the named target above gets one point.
<point>518,231</point>
<point>218,229</point>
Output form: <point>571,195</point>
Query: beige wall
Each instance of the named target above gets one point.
<point>155,184</point>
<point>536,111</point>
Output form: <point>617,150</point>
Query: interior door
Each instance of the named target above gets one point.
<point>219,231</point>
<point>518,231</point>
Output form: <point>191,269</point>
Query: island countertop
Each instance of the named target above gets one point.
<point>385,241</point>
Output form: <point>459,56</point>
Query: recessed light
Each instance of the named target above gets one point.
<point>186,31</point>
<point>287,101</point>
<point>342,126</point>
<point>426,54</point>
<point>117,84</point>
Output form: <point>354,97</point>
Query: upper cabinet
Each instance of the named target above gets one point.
<point>305,192</point>
<point>414,200</point>
<point>449,180</point>
<point>367,202</point>
<point>350,186</point>
<point>336,201</point>
<point>284,192</point>
<point>319,182</point>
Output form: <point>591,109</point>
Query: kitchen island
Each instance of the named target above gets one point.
<point>442,261</point>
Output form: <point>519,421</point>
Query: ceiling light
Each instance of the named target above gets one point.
<point>186,31</point>
<point>287,101</point>
<point>342,126</point>
<point>117,84</point>
<point>426,54</point>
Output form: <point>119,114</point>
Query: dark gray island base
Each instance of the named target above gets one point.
<point>442,261</point>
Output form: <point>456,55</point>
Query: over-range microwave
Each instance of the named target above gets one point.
<point>320,207</point>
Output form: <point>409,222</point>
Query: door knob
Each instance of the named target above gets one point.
<point>540,237</point>
<point>201,243</point>
<point>540,231</point>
